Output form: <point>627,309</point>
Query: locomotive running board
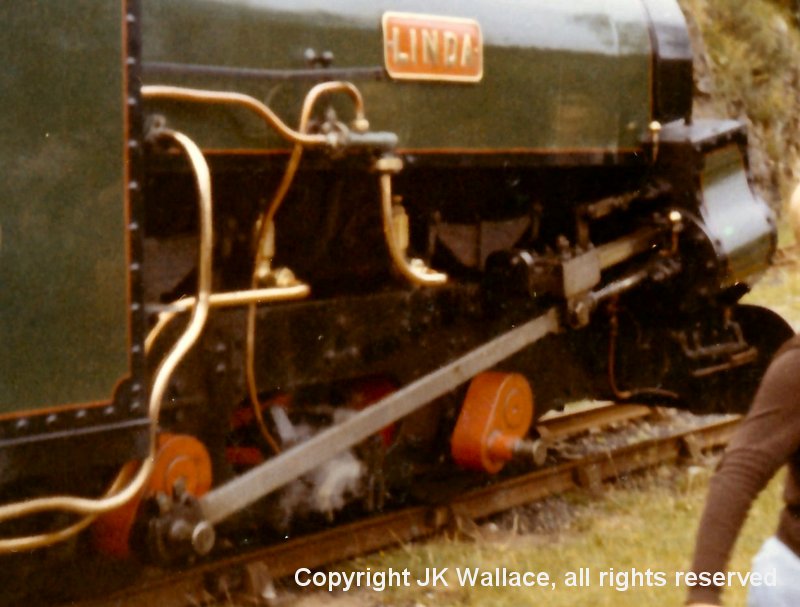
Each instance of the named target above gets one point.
<point>254,484</point>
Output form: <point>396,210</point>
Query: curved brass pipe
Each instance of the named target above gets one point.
<point>157,91</point>
<point>177,93</point>
<point>415,271</point>
<point>299,137</point>
<point>250,377</point>
<point>263,257</point>
<point>18,544</point>
<point>229,299</point>
<point>336,86</point>
<point>116,497</point>
<point>325,88</point>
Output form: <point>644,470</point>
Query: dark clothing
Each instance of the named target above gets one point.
<point>768,438</point>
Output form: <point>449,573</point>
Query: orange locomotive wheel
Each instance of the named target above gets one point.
<point>496,414</point>
<point>179,456</point>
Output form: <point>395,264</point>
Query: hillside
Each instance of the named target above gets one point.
<point>747,66</point>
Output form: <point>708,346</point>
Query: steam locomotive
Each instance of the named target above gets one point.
<point>287,258</point>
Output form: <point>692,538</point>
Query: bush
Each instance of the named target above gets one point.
<point>752,57</point>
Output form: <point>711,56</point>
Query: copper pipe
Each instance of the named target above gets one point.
<point>232,299</point>
<point>299,137</point>
<point>115,497</point>
<point>238,99</point>
<point>229,299</point>
<point>31,542</point>
<point>416,273</point>
<point>325,88</point>
<point>262,260</point>
<point>250,377</point>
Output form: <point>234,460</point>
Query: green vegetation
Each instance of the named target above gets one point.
<point>748,67</point>
<point>779,289</point>
<point>650,523</point>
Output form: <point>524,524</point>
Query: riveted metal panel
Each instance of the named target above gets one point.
<point>64,291</point>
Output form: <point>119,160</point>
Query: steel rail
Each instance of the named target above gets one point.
<point>566,425</point>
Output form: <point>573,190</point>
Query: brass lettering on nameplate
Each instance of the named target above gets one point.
<point>429,47</point>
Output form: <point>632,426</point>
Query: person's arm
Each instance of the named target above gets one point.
<point>764,441</point>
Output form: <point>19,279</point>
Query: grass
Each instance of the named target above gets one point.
<point>650,525</point>
<point>780,289</point>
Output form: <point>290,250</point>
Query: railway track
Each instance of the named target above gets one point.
<point>251,574</point>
